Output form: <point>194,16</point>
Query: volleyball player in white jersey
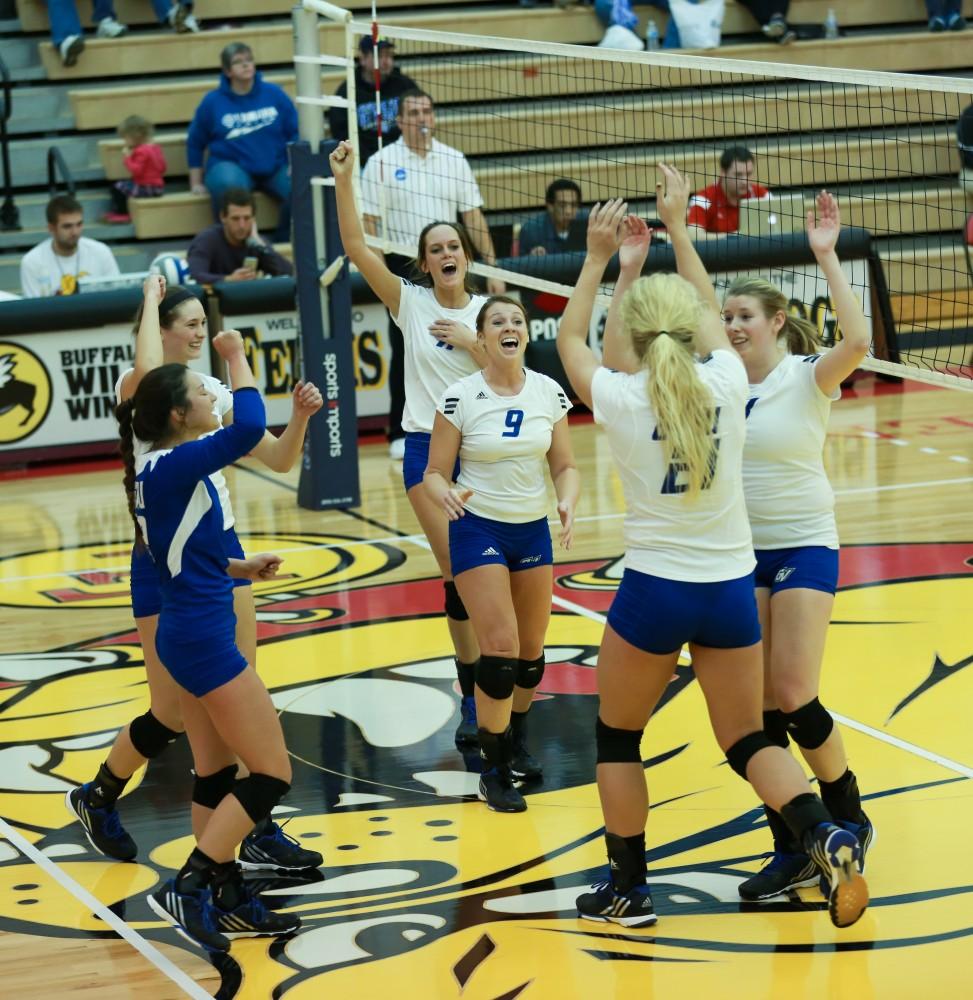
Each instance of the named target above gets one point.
<point>504,422</point>
<point>171,328</point>
<point>676,430</point>
<point>791,508</point>
<point>437,317</point>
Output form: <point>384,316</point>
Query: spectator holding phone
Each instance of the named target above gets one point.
<point>232,249</point>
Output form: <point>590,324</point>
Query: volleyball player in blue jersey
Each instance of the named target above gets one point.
<point>505,423</point>
<point>676,428</point>
<point>437,314</point>
<point>227,711</point>
<point>171,328</point>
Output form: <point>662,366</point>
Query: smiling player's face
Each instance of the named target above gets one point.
<point>183,339</point>
<point>504,332</point>
<point>444,259</point>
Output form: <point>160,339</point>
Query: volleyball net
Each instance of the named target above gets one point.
<point>525,114</point>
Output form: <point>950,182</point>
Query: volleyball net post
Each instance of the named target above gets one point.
<point>329,468</point>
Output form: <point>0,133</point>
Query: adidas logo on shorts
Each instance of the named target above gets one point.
<point>482,395</point>
<point>489,551</point>
<point>783,574</point>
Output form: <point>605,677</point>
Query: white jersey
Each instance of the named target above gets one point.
<point>417,189</point>
<point>430,365</point>
<point>704,541</point>
<point>789,498</point>
<point>223,404</point>
<point>505,443</point>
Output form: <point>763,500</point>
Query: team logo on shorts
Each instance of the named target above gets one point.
<point>25,392</point>
<point>784,573</point>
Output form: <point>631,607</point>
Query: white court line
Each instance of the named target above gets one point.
<point>147,950</point>
<point>894,741</point>
<point>903,486</point>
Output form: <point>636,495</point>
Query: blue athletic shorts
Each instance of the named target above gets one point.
<point>659,616</point>
<point>417,458</point>
<point>813,567</point>
<point>200,652</point>
<point>478,541</point>
<point>146,597</point>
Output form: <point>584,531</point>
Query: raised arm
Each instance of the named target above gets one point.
<point>616,350</point>
<point>823,228</point>
<point>148,339</point>
<point>280,453</point>
<point>672,197</point>
<point>605,233</point>
<point>380,279</point>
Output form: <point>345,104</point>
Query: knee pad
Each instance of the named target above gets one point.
<point>530,672</point>
<point>210,790</point>
<point>455,608</point>
<point>618,746</point>
<point>810,725</point>
<point>149,736</point>
<point>495,676</point>
<point>775,726</point>
<point>738,756</point>
<point>258,794</point>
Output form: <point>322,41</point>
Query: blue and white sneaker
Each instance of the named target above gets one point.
<point>252,919</point>
<point>466,731</point>
<point>782,873</point>
<point>191,913</point>
<point>632,909</point>
<point>102,827</point>
<point>837,853</point>
<point>865,832</point>
<point>268,848</point>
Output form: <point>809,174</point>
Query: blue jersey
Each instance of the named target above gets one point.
<point>179,511</point>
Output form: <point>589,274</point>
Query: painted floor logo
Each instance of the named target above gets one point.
<point>25,392</point>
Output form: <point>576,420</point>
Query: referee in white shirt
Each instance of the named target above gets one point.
<point>416,180</point>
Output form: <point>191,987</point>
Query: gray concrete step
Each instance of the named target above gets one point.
<point>39,109</point>
<point>94,201</point>
<point>28,159</point>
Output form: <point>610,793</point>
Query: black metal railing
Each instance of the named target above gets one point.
<point>57,165</point>
<point>9,213</point>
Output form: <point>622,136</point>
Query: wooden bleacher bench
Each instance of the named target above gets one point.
<point>645,116</point>
<point>185,214</point>
<point>273,44</point>
<point>33,13</point>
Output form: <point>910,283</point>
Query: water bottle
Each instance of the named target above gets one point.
<point>652,43</point>
<point>831,24</point>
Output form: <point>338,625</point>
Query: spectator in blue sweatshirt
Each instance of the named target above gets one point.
<point>242,130</point>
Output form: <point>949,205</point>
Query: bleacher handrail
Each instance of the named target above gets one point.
<point>9,213</point>
<point>57,164</point>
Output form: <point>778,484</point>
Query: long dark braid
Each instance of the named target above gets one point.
<point>146,416</point>
<point>126,447</point>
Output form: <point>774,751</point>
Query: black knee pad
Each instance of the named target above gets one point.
<point>495,676</point>
<point>775,726</point>
<point>210,790</point>
<point>530,672</point>
<point>738,756</point>
<point>617,746</point>
<point>810,725</point>
<point>455,608</point>
<point>259,793</point>
<point>149,736</point>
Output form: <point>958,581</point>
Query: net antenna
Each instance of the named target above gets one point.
<point>526,111</point>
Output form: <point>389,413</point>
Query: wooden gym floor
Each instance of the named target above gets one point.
<point>425,893</point>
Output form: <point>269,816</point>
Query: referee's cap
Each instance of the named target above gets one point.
<point>366,45</point>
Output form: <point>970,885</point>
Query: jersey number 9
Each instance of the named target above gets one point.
<point>513,421</point>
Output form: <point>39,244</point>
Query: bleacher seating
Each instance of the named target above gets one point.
<point>874,182</point>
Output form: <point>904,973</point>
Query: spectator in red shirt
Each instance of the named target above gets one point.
<point>715,211</point>
<point>144,160</point>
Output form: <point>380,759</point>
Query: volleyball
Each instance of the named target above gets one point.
<point>172,267</point>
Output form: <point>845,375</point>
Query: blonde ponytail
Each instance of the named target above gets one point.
<point>661,315</point>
